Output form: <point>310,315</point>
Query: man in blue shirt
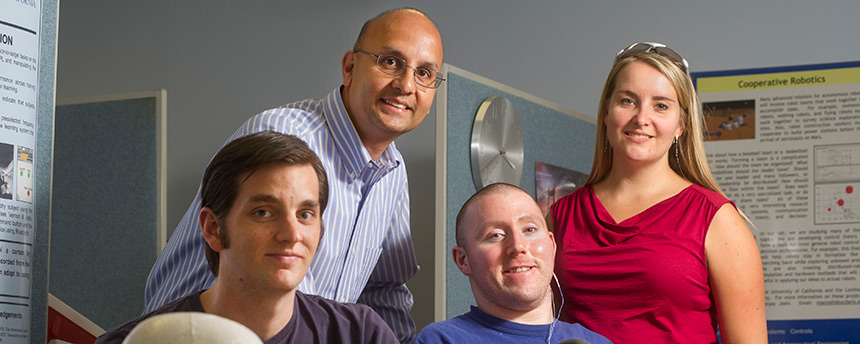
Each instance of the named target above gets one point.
<point>505,249</point>
<point>263,198</point>
<point>389,80</point>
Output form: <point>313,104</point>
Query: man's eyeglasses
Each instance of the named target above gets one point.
<point>657,48</point>
<point>395,66</point>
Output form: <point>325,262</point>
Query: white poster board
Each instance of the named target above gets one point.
<point>784,144</point>
<point>19,56</point>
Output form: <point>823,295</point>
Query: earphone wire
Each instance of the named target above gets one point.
<point>554,321</point>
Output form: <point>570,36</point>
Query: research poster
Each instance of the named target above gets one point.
<point>19,50</point>
<point>784,144</point>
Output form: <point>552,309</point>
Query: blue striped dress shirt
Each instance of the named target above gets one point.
<point>366,253</point>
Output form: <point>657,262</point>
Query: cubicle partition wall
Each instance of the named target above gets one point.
<point>108,205</point>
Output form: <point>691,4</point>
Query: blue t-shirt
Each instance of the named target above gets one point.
<point>477,327</point>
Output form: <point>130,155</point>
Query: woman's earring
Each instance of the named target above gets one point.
<point>675,142</point>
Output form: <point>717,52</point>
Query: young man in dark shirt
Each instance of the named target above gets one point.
<point>263,196</point>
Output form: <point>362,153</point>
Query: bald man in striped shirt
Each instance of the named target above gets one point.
<point>389,81</point>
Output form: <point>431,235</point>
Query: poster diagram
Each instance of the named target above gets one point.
<point>837,178</point>
<point>837,163</point>
<point>837,203</point>
<point>25,174</point>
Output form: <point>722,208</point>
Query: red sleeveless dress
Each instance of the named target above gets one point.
<point>644,279</point>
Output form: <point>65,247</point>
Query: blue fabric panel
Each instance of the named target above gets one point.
<point>549,136</point>
<point>104,211</point>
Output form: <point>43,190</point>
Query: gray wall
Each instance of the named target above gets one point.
<point>222,61</point>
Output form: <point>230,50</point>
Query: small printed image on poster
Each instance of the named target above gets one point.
<point>836,203</point>
<point>836,179</point>
<point>7,167</point>
<point>731,120</point>
<point>25,174</point>
<point>553,182</point>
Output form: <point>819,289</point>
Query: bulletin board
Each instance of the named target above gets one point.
<point>108,203</point>
<point>551,134</point>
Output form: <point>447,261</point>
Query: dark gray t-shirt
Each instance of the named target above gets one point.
<point>315,320</point>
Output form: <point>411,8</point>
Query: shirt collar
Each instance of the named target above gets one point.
<point>502,325</point>
<point>352,151</point>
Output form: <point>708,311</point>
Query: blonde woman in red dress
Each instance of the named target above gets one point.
<point>650,249</point>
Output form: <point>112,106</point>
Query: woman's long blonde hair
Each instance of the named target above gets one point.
<point>691,164</point>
